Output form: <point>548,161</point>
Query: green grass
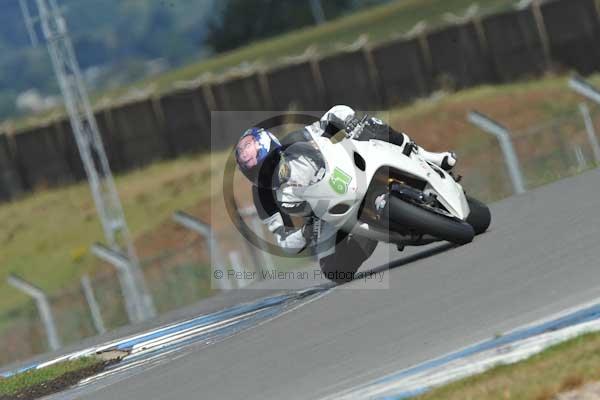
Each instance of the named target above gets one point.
<point>45,237</point>
<point>378,23</point>
<point>560,368</point>
<point>21,382</point>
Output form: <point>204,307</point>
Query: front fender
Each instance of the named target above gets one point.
<point>449,192</point>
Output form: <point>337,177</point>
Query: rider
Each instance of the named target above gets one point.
<point>270,168</point>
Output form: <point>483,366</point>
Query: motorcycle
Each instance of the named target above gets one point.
<point>423,202</point>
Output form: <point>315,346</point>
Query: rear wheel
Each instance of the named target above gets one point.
<point>480,216</point>
<point>417,219</point>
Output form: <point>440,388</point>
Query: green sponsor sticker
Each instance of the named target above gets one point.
<point>339,181</point>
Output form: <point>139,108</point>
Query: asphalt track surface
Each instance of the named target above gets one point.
<point>540,256</point>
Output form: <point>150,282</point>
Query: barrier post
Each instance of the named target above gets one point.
<point>504,138</point>
<point>88,292</point>
<point>136,303</point>
<point>206,231</point>
<point>43,306</point>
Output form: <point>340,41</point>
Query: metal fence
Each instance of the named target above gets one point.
<point>176,277</point>
<point>548,151</point>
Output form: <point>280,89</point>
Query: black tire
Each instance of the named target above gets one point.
<point>422,221</point>
<point>480,216</point>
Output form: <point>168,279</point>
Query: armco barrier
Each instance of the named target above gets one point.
<point>402,71</point>
<point>10,179</point>
<point>348,79</point>
<point>187,120</point>
<point>573,30</point>
<point>515,44</point>
<point>244,93</point>
<point>458,58</point>
<point>295,86</point>
<point>138,136</point>
<point>42,156</point>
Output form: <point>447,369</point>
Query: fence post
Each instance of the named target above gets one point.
<point>206,231</point>
<point>590,130</point>
<point>135,303</point>
<point>419,31</point>
<point>536,9</point>
<point>162,126</point>
<point>503,136</point>
<point>43,306</point>
<point>585,89</point>
<point>581,161</point>
<point>88,292</point>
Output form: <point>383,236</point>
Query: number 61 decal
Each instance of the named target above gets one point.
<point>339,181</point>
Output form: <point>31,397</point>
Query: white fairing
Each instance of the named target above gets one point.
<point>345,185</point>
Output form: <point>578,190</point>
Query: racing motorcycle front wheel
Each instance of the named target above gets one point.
<point>404,215</point>
<point>480,216</point>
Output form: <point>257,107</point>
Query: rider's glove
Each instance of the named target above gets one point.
<point>349,124</point>
<point>291,241</point>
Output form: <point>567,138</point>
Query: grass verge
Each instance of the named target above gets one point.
<point>45,237</point>
<point>38,383</point>
<point>558,369</point>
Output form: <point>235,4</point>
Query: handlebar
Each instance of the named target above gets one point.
<point>354,127</point>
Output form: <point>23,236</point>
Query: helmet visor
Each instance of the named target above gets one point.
<point>253,147</point>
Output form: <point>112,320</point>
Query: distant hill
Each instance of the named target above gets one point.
<point>121,41</point>
<point>119,37</point>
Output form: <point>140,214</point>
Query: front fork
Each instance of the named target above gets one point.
<point>375,210</point>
